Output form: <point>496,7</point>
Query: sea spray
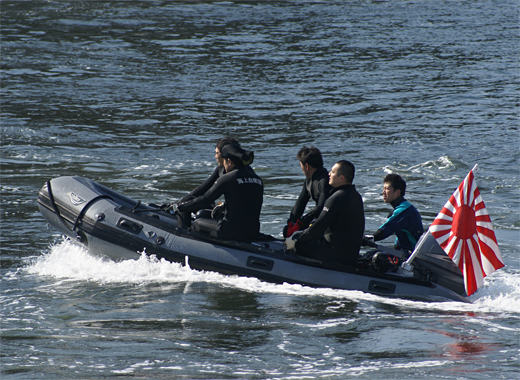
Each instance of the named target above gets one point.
<point>69,261</point>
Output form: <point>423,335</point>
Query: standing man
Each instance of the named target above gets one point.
<point>337,233</point>
<point>405,221</point>
<point>243,191</point>
<point>316,186</point>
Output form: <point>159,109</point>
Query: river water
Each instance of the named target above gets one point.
<point>134,95</point>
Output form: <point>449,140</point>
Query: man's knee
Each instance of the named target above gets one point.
<point>206,225</point>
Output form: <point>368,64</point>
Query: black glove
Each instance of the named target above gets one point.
<point>368,240</point>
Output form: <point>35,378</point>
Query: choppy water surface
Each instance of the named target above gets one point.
<point>135,94</point>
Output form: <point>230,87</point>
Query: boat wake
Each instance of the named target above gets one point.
<point>68,262</point>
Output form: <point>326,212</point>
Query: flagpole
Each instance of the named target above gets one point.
<point>473,247</point>
<point>407,265</point>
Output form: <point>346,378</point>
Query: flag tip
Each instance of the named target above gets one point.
<point>475,168</point>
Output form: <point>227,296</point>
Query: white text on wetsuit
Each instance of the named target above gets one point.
<point>256,181</point>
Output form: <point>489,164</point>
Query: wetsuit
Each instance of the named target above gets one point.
<point>317,187</point>
<point>405,222</point>
<point>201,190</point>
<point>206,185</point>
<point>243,191</point>
<point>337,233</point>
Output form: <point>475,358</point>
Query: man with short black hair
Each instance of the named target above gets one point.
<point>404,221</point>
<point>337,233</point>
<point>315,186</point>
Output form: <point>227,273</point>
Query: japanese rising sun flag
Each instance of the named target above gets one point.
<point>463,229</point>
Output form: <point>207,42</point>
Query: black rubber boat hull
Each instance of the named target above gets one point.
<point>110,224</point>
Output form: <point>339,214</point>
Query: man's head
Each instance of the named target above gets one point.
<point>310,160</point>
<point>342,173</point>
<point>221,143</point>
<point>393,187</point>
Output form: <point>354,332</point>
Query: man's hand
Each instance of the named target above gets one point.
<point>290,242</point>
<point>368,240</point>
<point>173,208</point>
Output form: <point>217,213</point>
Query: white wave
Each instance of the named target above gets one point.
<point>501,292</point>
<point>69,262</point>
<point>442,163</point>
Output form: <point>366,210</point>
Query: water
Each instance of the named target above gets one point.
<point>135,94</point>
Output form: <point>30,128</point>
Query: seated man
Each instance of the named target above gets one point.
<point>206,185</point>
<point>243,192</point>
<point>405,221</point>
<point>316,186</point>
<point>337,233</point>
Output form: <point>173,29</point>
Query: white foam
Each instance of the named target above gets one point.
<point>68,261</point>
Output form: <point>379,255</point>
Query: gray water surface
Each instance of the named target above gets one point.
<point>135,94</point>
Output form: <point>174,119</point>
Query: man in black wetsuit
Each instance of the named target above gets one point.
<point>243,191</point>
<point>316,186</point>
<point>337,233</point>
<point>206,185</point>
<point>405,221</point>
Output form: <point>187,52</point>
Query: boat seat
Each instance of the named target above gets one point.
<point>207,226</point>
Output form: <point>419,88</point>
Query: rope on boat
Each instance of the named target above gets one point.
<point>81,214</point>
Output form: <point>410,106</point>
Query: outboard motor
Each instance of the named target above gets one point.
<point>430,257</point>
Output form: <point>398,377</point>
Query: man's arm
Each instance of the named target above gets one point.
<point>204,201</point>
<point>380,235</point>
<point>321,224</point>
<point>393,223</point>
<point>299,206</point>
<point>206,185</point>
<point>323,195</point>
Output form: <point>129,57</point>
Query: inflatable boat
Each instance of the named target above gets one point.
<point>110,224</point>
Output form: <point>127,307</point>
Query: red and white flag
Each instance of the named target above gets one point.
<point>463,229</point>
